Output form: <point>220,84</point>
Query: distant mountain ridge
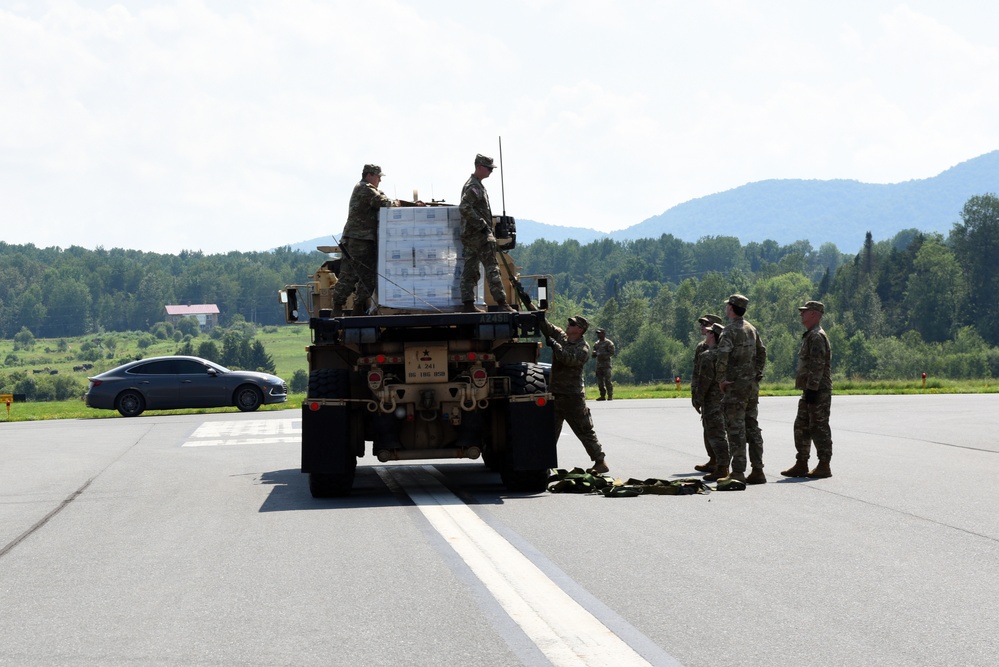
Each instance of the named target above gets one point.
<point>789,210</point>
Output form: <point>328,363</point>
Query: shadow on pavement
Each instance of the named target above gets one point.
<point>473,483</point>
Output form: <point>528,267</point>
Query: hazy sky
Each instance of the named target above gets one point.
<point>243,125</point>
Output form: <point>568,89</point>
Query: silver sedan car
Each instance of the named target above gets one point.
<point>167,383</point>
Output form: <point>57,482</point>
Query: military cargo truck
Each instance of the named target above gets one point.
<point>418,379</point>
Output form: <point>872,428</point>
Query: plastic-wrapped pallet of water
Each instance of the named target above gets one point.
<point>420,258</point>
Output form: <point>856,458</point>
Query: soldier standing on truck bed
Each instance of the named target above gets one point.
<point>570,353</point>
<point>478,240</point>
<point>359,242</point>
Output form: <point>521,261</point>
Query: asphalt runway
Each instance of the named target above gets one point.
<point>192,540</point>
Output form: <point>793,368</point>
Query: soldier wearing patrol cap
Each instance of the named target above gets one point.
<point>708,396</point>
<point>741,360</point>
<point>603,351</point>
<point>813,377</point>
<point>705,322</point>
<point>477,239</point>
<point>569,355</point>
<point>359,242</point>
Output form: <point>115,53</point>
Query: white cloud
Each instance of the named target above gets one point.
<point>230,126</point>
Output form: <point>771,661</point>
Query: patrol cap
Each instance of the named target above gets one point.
<point>372,169</point>
<point>601,331</point>
<point>708,320</point>
<point>483,161</point>
<point>717,329</point>
<point>738,300</point>
<point>813,305</point>
<point>580,322</point>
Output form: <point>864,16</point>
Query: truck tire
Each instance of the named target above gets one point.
<point>332,383</point>
<point>524,379</point>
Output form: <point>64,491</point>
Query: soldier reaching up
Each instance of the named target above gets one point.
<point>570,353</point>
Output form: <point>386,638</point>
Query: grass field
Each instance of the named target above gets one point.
<point>75,409</point>
<point>287,344</point>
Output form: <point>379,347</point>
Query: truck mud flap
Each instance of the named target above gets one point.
<point>326,440</point>
<point>532,436</point>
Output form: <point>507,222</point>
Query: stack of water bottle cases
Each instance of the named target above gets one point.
<point>420,258</point>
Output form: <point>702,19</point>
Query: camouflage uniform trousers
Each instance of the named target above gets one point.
<point>741,405</point>
<point>715,437</point>
<point>811,425</point>
<point>480,251</point>
<point>357,272</point>
<point>572,408</point>
<point>604,381</point>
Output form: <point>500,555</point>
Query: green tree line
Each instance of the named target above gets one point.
<point>72,292</point>
<point>918,302</point>
<point>900,307</point>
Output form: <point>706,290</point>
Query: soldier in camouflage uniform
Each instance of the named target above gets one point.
<point>569,355</point>
<point>708,397</point>
<point>478,240</point>
<point>696,390</point>
<point>603,350</point>
<point>741,360</point>
<point>359,242</point>
<point>815,381</point>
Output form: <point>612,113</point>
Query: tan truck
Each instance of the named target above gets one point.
<point>417,379</point>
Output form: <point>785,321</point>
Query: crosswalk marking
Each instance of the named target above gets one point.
<point>251,432</point>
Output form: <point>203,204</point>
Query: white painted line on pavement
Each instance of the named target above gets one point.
<point>250,432</point>
<point>562,629</point>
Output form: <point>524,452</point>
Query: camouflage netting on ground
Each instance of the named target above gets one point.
<point>578,480</point>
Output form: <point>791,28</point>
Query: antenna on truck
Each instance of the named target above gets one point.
<point>502,189</point>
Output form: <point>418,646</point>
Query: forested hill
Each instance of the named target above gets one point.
<point>839,212</point>
<point>915,303</point>
<point>785,211</point>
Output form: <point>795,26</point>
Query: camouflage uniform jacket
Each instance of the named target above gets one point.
<point>741,354</point>
<point>695,378</point>
<point>362,212</point>
<point>568,360</point>
<point>476,216</point>
<point>603,350</point>
<point>814,361</point>
<point>705,382</point>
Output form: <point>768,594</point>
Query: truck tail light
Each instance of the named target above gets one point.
<point>479,377</point>
<point>375,380</point>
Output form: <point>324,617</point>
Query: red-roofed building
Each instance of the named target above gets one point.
<point>207,314</point>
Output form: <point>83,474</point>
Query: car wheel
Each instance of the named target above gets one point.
<point>130,403</point>
<point>248,398</point>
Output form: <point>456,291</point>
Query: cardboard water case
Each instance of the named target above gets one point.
<point>420,258</point>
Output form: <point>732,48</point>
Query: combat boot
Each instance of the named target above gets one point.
<point>706,467</point>
<point>337,310</point>
<point>504,307</point>
<point>741,476</point>
<point>720,472</point>
<point>601,398</point>
<point>756,477</point>
<point>820,471</point>
<point>799,469</point>
<point>599,467</point>
<point>470,307</point>
<point>610,395</point>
